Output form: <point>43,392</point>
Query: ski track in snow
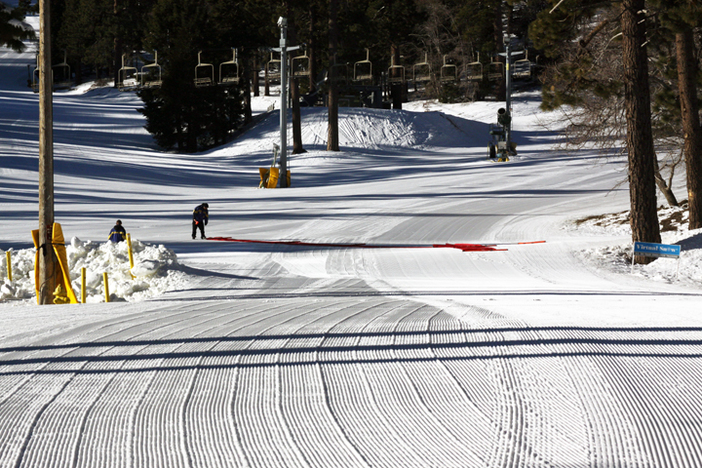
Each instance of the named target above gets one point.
<point>341,357</point>
<point>202,386</point>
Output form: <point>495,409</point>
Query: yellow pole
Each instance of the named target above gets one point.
<point>107,287</point>
<point>9,265</point>
<point>82,285</point>
<point>129,249</point>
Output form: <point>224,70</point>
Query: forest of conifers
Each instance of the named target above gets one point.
<point>626,71</point>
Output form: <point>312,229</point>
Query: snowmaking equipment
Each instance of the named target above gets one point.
<point>500,147</point>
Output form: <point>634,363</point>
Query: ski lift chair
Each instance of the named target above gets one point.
<point>61,72</point>
<point>35,77</point>
<point>363,69</point>
<point>204,73</point>
<point>151,74</point>
<point>474,70</point>
<point>396,73</point>
<point>300,66</point>
<point>449,72</point>
<point>273,68</point>
<point>496,71</point>
<point>229,71</point>
<point>522,68</point>
<point>421,72</point>
<point>127,76</point>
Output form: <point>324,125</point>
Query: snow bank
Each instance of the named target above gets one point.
<point>155,271</point>
<point>687,270</point>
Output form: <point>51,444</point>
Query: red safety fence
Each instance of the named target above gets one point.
<point>462,247</point>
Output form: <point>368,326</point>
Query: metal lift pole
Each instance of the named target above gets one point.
<point>284,49</point>
<point>283,177</point>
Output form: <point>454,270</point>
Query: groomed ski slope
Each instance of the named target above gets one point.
<point>291,356</point>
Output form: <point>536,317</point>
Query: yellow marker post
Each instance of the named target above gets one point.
<point>131,256</point>
<point>9,265</point>
<point>82,285</point>
<point>107,287</point>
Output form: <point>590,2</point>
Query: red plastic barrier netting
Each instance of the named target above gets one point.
<point>462,247</point>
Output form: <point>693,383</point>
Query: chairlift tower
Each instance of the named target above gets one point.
<point>284,49</point>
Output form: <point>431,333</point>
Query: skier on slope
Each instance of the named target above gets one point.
<point>117,234</point>
<point>200,216</point>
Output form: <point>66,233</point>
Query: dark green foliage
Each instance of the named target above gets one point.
<point>163,119</point>
<point>194,120</point>
<point>667,108</point>
<point>672,16</point>
<point>379,25</point>
<point>477,21</point>
<point>179,115</point>
<point>11,33</point>
<point>87,32</point>
<point>96,32</point>
<point>452,93</point>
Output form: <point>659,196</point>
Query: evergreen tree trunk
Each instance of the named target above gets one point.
<point>117,46</point>
<point>117,60</point>
<point>255,74</point>
<point>498,35</point>
<point>396,88</point>
<point>248,113</point>
<point>79,71</point>
<point>687,72</point>
<point>295,95</point>
<point>639,138</point>
<point>312,49</point>
<point>296,117</point>
<point>333,102</point>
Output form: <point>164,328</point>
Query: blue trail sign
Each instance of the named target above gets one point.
<point>647,249</point>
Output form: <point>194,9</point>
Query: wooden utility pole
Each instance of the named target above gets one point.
<point>47,259</point>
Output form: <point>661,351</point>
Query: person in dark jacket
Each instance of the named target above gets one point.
<point>200,216</point>
<point>117,234</point>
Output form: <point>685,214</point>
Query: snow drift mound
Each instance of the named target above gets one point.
<point>155,271</point>
<point>362,128</point>
<point>616,257</point>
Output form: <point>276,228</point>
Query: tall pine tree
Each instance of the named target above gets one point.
<point>12,28</point>
<point>681,17</point>
<point>575,35</point>
<point>179,114</point>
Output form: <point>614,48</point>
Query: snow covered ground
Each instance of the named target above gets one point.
<point>251,354</point>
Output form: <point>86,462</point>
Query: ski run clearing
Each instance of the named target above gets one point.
<point>231,354</point>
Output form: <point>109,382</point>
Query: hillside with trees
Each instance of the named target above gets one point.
<point>626,73</point>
